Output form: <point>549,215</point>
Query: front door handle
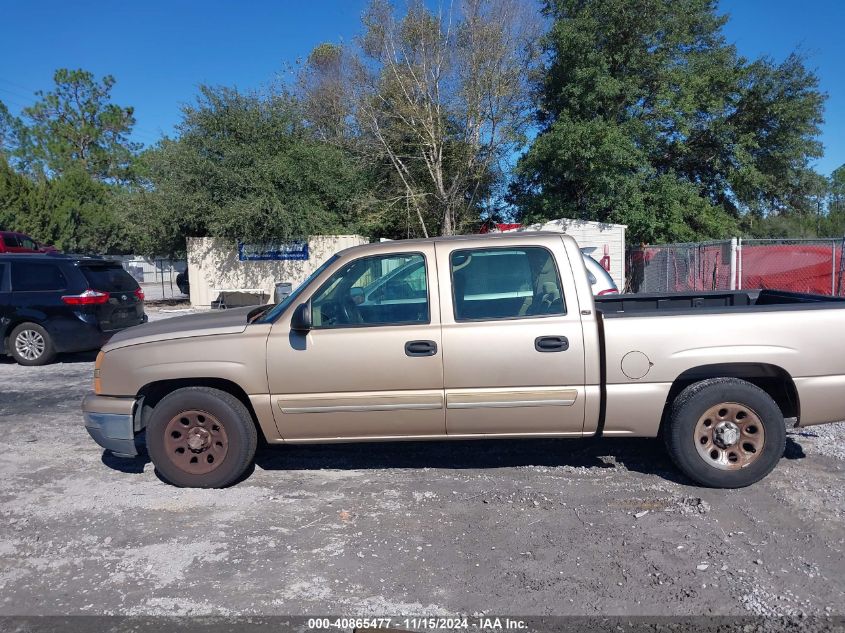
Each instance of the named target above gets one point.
<point>551,343</point>
<point>420,348</point>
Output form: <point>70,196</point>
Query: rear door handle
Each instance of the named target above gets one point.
<point>420,348</point>
<point>551,343</point>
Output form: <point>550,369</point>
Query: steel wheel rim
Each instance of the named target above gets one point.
<point>196,442</point>
<point>30,345</point>
<point>729,436</point>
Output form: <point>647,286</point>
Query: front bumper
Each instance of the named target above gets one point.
<point>111,423</point>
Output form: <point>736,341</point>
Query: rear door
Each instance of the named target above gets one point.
<point>125,305</point>
<point>36,289</point>
<point>513,350</point>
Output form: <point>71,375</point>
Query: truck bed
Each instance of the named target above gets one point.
<point>712,302</point>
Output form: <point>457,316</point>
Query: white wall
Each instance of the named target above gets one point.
<point>213,263</point>
<point>593,234</point>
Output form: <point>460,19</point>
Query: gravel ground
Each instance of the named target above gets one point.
<point>528,527</point>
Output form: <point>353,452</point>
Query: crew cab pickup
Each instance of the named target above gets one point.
<point>495,336</point>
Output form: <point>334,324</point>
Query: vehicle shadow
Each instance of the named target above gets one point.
<point>642,455</point>
<point>78,357</point>
<point>129,465</point>
<point>75,357</point>
<point>793,449</point>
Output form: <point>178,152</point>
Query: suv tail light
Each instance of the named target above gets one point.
<point>139,293</point>
<point>609,291</point>
<point>87,298</point>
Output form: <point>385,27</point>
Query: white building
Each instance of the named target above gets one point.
<point>602,238</point>
<point>217,266</point>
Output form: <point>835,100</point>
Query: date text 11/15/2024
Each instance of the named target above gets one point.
<point>418,623</point>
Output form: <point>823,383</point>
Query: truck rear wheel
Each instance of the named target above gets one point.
<point>725,433</point>
<point>199,437</point>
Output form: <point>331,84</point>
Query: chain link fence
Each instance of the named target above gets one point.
<point>160,278</point>
<point>814,266</point>
<point>679,267</point>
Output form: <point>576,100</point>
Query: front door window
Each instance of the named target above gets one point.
<point>374,291</point>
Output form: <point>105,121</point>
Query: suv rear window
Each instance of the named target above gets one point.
<point>109,278</point>
<point>31,277</point>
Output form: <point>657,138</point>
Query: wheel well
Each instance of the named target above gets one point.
<point>153,392</point>
<point>772,379</point>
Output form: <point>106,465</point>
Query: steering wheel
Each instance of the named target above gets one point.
<point>349,310</point>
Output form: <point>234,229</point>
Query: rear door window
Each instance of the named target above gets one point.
<point>109,278</point>
<point>498,283</point>
<point>32,277</point>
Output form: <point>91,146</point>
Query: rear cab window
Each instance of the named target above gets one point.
<point>37,277</point>
<point>108,278</point>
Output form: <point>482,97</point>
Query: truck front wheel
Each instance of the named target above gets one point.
<point>199,437</point>
<point>725,433</point>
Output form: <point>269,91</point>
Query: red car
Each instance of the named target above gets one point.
<point>12,242</point>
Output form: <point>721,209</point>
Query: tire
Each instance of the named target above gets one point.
<point>725,433</point>
<point>199,437</point>
<point>31,345</point>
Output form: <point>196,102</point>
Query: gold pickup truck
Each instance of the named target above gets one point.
<point>473,337</point>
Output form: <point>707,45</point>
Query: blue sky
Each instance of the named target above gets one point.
<point>159,51</point>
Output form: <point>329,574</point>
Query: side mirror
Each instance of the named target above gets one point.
<point>300,321</point>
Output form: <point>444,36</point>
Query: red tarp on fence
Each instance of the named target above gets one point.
<point>796,267</point>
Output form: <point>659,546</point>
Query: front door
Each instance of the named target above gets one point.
<point>372,364</point>
<point>512,340</point>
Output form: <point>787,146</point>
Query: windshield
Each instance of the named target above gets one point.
<point>279,308</point>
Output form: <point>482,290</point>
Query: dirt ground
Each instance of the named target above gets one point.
<point>524,527</point>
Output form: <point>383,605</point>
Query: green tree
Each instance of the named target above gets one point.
<point>71,211</point>
<point>77,214</point>
<point>77,125</point>
<point>16,193</point>
<point>243,167</point>
<point>648,117</point>
<point>436,100</point>
<point>7,131</point>
<point>834,222</point>
<point>837,187</point>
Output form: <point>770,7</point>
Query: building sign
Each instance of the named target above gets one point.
<point>295,249</point>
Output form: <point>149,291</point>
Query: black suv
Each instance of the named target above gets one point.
<point>63,303</point>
